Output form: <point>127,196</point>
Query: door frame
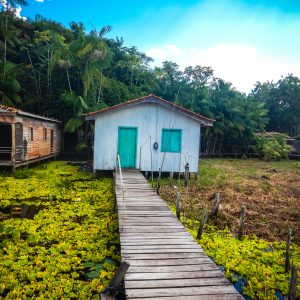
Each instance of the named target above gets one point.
<point>136,142</point>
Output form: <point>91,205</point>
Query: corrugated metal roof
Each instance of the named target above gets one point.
<point>16,111</point>
<point>154,99</point>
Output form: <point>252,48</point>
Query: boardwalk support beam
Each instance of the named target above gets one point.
<point>115,284</point>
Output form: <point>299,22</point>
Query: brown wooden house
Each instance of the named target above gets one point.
<point>27,138</point>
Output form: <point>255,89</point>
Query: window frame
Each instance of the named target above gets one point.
<point>45,134</point>
<point>30,134</point>
<point>163,147</point>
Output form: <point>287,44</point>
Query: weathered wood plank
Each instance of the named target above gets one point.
<point>170,262</point>
<point>164,283</point>
<point>142,246</point>
<point>181,291</point>
<point>157,241</point>
<point>168,269</point>
<point>198,297</point>
<point>182,234</point>
<point>166,250</point>
<point>161,255</point>
<point>174,275</point>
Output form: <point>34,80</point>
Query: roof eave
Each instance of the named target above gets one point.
<point>203,121</point>
<point>29,115</point>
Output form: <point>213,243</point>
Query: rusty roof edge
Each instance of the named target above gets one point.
<point>185,111</point>
<point>26,114</point>
<point>15,111</point>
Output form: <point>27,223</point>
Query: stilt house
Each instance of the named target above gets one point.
<point>27,138</point>
<point>149,134</point>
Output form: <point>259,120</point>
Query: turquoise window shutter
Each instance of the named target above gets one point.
<point>171,140</point>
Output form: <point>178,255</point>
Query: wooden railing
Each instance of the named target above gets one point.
<point>118,167</point>
<point>5,150</point>
<point>19,152</point>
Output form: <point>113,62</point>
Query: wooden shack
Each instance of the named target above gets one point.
<point>27,138</point>
<point>149,134</point>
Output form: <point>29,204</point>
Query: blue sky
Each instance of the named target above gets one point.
<point>244,41</point>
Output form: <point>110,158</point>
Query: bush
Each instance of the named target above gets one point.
<point>272,147</point>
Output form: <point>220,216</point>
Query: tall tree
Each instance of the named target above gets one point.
<point>9,33</point>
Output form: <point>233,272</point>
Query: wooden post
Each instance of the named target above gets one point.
<point>109,292</point>
<point>288,249</point>
<point>293,283</point>
<point>242,222</point>
<point>140,158</point>
<point>178,205</point>
<point>13,147</point>
<point>215,209</point>
<point>158,183</point>
<point>186,174</point>
<point>171,178</point>
<point>202,224</point>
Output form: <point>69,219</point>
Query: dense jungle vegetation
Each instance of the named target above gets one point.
<point>62,72</point>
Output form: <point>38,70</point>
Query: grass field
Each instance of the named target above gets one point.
<point>270,191</point>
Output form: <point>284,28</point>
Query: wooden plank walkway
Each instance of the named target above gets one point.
<point>165,261</point>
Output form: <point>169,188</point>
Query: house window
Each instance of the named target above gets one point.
<point>31,134</point>
<point>45,134</point>
<point>171,140</point>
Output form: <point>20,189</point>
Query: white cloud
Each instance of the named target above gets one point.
<point>242,65</point>
<point>173,49</point>
<point>40,1</point>
<point>16,11</point>
<point>157,54</point>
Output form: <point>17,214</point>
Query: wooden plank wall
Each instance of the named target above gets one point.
<point>40,147</point>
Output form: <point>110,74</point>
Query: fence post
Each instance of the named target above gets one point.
<point>242,222</point>
<point>158,182</point>
<point>288,249</point>
<point>293,283</point>
<point>215,209</point>
<point>186,174</point>
<point>202,224</point>
<point>178,205</point>
<point>171,178</point>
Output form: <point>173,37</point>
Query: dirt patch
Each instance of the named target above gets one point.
<point>269,192</point>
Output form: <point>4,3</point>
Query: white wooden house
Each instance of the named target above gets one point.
<point>148,133</point>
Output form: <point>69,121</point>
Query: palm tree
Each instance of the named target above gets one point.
<point>87,55</point>
<point>10,33</point>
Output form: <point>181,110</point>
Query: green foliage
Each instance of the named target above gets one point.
<point>282,100</point>
<point>50,59</point>
<point>70,248</point>
<point>272,147</point>
<point>261,263</point>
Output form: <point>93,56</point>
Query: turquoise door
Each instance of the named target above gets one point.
<point>127,143</point>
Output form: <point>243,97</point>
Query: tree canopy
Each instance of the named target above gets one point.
<point>62,72</point>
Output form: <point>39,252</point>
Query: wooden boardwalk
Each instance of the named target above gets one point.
<point>165,261</point>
